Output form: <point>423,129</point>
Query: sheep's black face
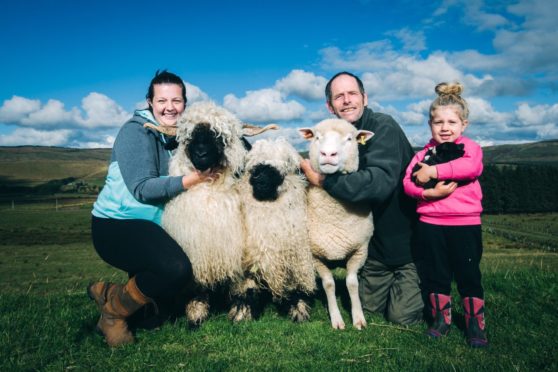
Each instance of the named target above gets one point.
<point>265,181</point>
<point>205,149</point>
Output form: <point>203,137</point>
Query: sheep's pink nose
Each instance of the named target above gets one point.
<point>328,154</point>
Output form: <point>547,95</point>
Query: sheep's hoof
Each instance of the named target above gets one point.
<point>358,320</point>
<point>337,323</point>
<point>360,324</point>
<point>197,312</point>
<point>299,312</point>
<point>240,312</point>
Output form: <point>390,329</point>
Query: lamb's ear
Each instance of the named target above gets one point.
<point>363,135</point>
<point>250,130</point>
<point>306,133</point>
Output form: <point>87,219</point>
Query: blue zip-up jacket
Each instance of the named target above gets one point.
<point>137,183</point>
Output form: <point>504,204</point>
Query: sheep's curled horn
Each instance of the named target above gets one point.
<point>248,130</point>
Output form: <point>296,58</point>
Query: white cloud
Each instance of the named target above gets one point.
<point>105,142</point>
<point>30,136</point>
<point>52,114</point>
<point>16,108</point>
<point>101,111</point>
<point>302,84</point>
<point>537,115</point>
<point>483,113</point>
<point>528,45</point>
<point>477,15</point>
<point>413,41</point>
<point>97,111</point>
<point>195,94</point>
<point>263,105</point>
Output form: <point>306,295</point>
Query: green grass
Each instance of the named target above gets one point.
<point>534,230</point>
<point>47,322</point>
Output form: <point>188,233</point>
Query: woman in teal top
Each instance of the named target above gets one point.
<point>126,217</point>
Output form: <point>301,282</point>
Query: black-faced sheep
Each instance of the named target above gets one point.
<point>439,154</point>
<point>277,253</point>
<point>206,220</point>
<point>337,230</point>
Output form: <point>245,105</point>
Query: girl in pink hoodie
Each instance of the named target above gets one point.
<point>449,228</point>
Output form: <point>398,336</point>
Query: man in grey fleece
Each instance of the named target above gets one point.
<point>388,282</point>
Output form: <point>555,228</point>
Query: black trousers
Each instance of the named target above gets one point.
<point>144,250</point>
<point>452,252</point>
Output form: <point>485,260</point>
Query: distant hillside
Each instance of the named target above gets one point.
<point>544,152</point>
<point>25,167</point>
<point>30,166</point>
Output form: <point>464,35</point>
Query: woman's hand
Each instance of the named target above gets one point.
<point>440,191</point>
<point>198,177</point>
<point>313,177</point>
<point>425,173</point>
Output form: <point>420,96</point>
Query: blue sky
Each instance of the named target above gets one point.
<point>72,72</point>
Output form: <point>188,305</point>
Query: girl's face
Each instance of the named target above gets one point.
<point>167,103</point>
<point>446,125</point>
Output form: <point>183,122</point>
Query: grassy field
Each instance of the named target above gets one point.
<point>47,322</point>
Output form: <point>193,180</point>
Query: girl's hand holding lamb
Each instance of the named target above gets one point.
<point>425,173</point>
<point>440,191</point>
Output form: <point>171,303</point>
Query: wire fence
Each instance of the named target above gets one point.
<point>52,203</point>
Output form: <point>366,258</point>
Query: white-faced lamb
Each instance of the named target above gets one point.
<point>277,253</point>
<point>338,231</point>
<point>206,220</point>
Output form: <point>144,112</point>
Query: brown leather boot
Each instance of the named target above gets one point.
<point>116,302</point>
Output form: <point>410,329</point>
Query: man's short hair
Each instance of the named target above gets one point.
<point>328,85</point>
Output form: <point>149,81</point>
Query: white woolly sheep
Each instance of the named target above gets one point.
<point>337,230</point>
<point>206,220</point>
<point>277,252</point>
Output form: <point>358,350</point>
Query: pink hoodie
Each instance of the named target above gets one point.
<point>463,206</point>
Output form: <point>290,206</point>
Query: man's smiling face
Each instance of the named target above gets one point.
<point>347,101</point>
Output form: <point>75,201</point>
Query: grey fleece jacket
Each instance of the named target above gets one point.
<point>137,183</point>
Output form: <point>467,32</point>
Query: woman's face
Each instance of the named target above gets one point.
<point>167,103</point>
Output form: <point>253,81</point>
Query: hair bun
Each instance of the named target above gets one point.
<point>444,89</point>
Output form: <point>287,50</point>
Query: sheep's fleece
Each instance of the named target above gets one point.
<point>205,220</point>
<point>277,249</point>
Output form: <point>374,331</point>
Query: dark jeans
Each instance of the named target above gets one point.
<point>452,252</point>
<point>144,250</point>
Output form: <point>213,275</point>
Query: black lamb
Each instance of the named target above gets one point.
<point>442,153</point>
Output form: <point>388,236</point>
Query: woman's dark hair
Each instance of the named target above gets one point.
<point>165,77</point>
<point>328,85</point>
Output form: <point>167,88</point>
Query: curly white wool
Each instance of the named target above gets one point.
<point>206,220</point>
<point>277,250</point>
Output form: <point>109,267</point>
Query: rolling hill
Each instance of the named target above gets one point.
<point>544,152</point>
<point>26,167</point>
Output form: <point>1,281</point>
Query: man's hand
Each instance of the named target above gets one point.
<point>315,178</point>
<point>440,191</point>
